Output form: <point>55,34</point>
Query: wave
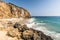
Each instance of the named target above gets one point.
<point>37,26</point>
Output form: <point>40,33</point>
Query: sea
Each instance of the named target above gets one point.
<point>49,25</point>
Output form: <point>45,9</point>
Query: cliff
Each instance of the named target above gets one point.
<point>8,10</point>
<point>15,28</point>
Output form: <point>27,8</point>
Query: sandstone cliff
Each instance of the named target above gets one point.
<point>8,10</point>
<point>15,29</point>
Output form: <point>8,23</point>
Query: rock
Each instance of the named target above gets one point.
<point>28,34</point>
<point>22,32</point>
<point>13,32</point>
<point>16,25</point>
<point>9,10</point>
<point>36,36</point>
<point>20,27</point>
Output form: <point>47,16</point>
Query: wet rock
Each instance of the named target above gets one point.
<point>36,36</point>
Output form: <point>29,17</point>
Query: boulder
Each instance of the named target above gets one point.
<point>20,27</point>
<point>28,34</point>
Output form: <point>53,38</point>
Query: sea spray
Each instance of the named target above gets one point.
<point>37,26</point>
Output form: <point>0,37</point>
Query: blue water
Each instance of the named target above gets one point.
<point>52,23</point>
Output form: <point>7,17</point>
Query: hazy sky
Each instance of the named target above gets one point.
<point>39,7</point>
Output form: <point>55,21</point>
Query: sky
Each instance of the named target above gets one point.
<point>39,7</point>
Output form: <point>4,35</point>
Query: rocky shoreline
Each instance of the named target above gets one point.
<point>16,29</point>
<point>29,34</point>
<point>22,32</point>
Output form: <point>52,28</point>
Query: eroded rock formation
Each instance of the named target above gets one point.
<point>8,10</point>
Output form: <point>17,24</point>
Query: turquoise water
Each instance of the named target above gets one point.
<point>52,23</point>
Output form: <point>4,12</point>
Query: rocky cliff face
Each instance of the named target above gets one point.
<point>15,29</point>
<point>8,10</point>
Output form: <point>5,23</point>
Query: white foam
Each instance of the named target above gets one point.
<point>36,26</point>
<point>30,23</point>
